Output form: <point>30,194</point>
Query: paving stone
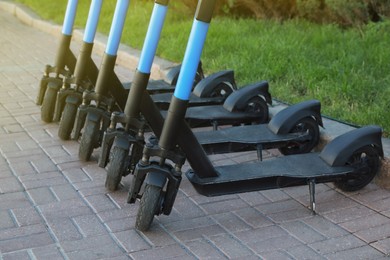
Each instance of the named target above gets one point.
<point>26,216</point>
<point>167,252</point>
<point>275,195</point>
<point>131,241</point>
<point>303,252</point>
<point>253,198</point>
<point>383,246</point>
<point>230,246</point>
<point>303,232</point>
<point>18,255</point>
<point>11,184</point>
<point>63,209</point>
<point>13,200</point>
<point>100,203</point>
<point>364,223</point>
<point>89,225</point>
<point>64,192</point>
<point>224,206</point>
<point>41,196</point>
<point>196,233</point>
<point>204,249</point>
<point>158,237</point>
<point>325,227</point>
<point>187,208</point>
<point>6,220</point>
<point>231,222</point>
<point>275,255</point>
<point>256,236</point>
<point>76,175</point>
<point>38,182</point>
<point>122,224</point>
<point>25,241</point>
<point>349,214</point>
<point>375,233</point>
<point>51,252</point>
<point>337,244</point>
<point>363,252</point>
<point>253,217</point>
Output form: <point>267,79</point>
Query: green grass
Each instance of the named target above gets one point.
<point>347,70</point>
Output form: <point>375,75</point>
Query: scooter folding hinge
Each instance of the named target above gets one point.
<point>312,183</point>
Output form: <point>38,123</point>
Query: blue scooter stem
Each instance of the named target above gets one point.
<point>179,101</point>
<point>92,21</point>
<point>148,52</point>
<point>116,29</point>
<point>70,15</point>
<point>109,57</point>
<point>152,38</point>
<point>84,58</point>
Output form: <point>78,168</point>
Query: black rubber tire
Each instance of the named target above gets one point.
<point>303,125</point>
<point>67,121</point>
<point>89,140</point>
<point>365,158</point>
<point>149,206</point>
<point>48,105</point>
<point>258,105</point>
<point>116,168</point>
<point>221,90</point>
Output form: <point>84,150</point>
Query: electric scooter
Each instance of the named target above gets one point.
<point>64,65</point>
<point>350,161</point>
<point>118,142</point>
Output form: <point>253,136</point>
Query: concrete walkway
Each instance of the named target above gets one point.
<point>52,206</point>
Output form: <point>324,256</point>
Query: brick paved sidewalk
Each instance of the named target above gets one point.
<point>54,207</point>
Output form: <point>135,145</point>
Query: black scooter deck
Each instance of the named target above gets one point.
<point>243,138</point>
<point>295,170</point>
<point>164,99</point>
<point>154,86</point>
<point>206,115</point>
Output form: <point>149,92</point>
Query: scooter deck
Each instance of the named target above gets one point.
<point>164,99</point>
<point>297,169</point>
<point>207,115</point>
<point>154,86</point>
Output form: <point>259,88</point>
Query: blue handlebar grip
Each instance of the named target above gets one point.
<point>191,59</point>
<point>118,21</point>
<point>152,38</point>
<point>92,22</point>
<point>70,16</point>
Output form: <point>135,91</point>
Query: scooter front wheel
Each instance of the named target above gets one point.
<point>115,168</point>
<point>48,105</point>
<point>89,140</point>
<point>67,121</point>
<point>366,161</point>
<point>150,204</point>
<point>306,124</point>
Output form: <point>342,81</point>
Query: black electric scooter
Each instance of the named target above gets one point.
<point>117,143</point>
<point>351,160</point>
<point>64,65</point>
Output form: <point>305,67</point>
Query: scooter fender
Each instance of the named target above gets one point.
<point>285,120</point>
<point>172,75</point>
<point>340,149</point>
<point>207,85</point>
<point>238,100</point>
<point>156,179</point>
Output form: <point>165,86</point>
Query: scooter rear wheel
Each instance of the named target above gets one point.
<point>303,125</point>
<point>116,168</point>
<point>89,140</point>
<point>150,204</point>
<point>48,105</point>
<point>67,121</point>
<point>258,105</point>
<point>221,90</point>
<point>366,162</point>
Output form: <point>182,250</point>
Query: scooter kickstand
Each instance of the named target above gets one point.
<point>312,191</point>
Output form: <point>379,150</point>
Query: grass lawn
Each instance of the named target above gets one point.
<point>346,69</point>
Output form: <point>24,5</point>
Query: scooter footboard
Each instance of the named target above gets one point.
<point>285,120</point>
<point>238,100</point>
<point>340,149</point>
<point>207,85</point>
